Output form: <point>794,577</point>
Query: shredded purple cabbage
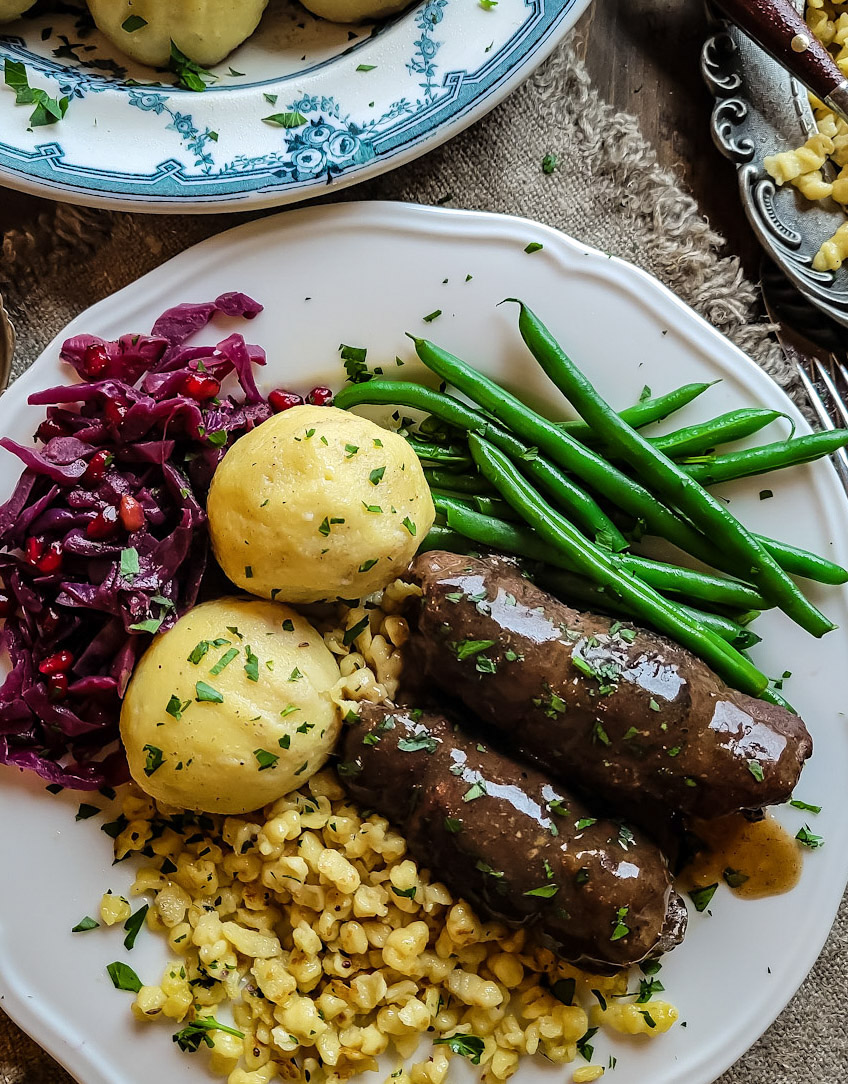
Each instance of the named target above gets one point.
<point>76,528</point>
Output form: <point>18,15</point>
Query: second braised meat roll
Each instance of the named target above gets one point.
<point>619,711</point>
<point>513,843</point>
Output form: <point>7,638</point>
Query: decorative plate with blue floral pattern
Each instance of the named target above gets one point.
<point>360,100</point>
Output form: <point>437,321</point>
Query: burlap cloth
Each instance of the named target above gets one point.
<point>609,192</point>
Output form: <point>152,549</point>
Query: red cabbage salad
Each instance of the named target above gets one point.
<point>103,541</point>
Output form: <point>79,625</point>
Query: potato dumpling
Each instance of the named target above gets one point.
<point>204,30</point>
<point>318,504</point>
<point>354,11</point>
<point>230,709</point>
<point>11,9</point>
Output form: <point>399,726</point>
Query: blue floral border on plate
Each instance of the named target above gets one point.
<point>332,143</point>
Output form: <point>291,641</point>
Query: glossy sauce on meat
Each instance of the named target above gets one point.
<point>753,858</point>
<point>623,713</point>
<point>508,839</point>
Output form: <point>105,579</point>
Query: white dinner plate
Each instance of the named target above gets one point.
<point>358,100</point>
<point>363,274</point>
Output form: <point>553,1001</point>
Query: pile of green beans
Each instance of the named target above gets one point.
<point>569,497</point>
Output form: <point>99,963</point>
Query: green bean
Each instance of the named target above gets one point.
<point>568,496</point>
<point>443,538</point>
<point>803,563</point>
<point>617,487</point>
<point>773,697</point>
<point>494,508</point>
<point>736,424</point>
<point>451,456</point>
<point>463,483</point>
<point>650,409</point>
<point>489,531</point>
<point>598,565</point>
<point>575,589</point>
<point>768,457</point>
<point>670,482</point>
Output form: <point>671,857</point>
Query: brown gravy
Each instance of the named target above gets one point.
<point>761,858</point>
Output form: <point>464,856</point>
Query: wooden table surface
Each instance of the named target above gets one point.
<point>643,56</point>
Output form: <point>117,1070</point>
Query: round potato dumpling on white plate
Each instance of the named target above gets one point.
<point>231,708</point>
<point>318,504</point>
<point>13,9</point>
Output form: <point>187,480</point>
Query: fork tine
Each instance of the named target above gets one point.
<point>839,411</point>
<point>828,416</point>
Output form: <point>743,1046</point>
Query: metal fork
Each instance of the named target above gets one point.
<point>817,348</point>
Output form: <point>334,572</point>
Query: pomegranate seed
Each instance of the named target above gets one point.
<point>52,559</point>
<point>57,686</point>
<point>320,396</point>
<point>50,429</point>
<point>104,524</point>
<point>6,606</point>
<point>200,387</point>
<point>97,465</point>
<point>284,400</point>
<point>56,664</point>
<point>34,549</point>
<point>95,359</point>
<point>132,514</point>
<point>114,412</point>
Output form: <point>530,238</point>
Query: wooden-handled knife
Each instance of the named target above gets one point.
<point>779,29</point>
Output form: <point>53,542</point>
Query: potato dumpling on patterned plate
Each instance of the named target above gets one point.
<point>318,504</point>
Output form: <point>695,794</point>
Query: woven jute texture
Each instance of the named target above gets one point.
<point>608,192</point>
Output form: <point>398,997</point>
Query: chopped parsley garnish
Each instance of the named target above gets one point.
<point>251,667</point>
<point>151,625</point>
<point>265,759</point>
<point>114,828</point>
<point>626,839</point>
<point>485,665</point>
<point>467,1046</point>
<point>653,705</point>
<point>545,892</point>
<point>585,822</point>
<point>134,924</point>
<point>371,739</point>
<point>484,867</point>
<point>534,246</point>
<point>354,363</point>
<point>476,790</point>
<point>288,625</point>
<point>365,67</point>
<point>647,989</point>
<point>465,649</point>
<point>302,768</point>
<point>650,967</point>
<point>295,675</point>
<point>304,728</point>
<point>351,450</point>
<point>808,839</point>
<point>133,23</point>
<point>420,743</point>
<point>734,878</point>
<point>129,562</point>
<point>599,733</point>
<point>410,526</point>
<point>581,877</point>
<point>224,660</point>
<point>290,710</point>
<point>584,1047</point>
<point>765,494</point>
<point>372,508</point>
<point>348,768</point>
<point>621,929</point>
<point>234,630</point>
<point>153,761</point>
<point>796,804</point>
<point>558,808</point>
<point>85,924</point>
<point>289,119</point>
<point>649,1020</point>
<point>324,526</point>
<point>285,741</point>
<point>123,977</point>
<point>366,566</point>
<point>85,811</point>
<point>248,572</point>
<point>205,693</point>
<point>47,110</point>
<point>376,475</point>
<point>702,897</point>
<point>355,631</point>
<point>549,163</point>
<point>197,1032</point>
<point>563,990</point>
<point>406,893</point>
<point>198,651</point>
<point>190,75</point>
<point>756,769</point>
<point>453,825</point>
